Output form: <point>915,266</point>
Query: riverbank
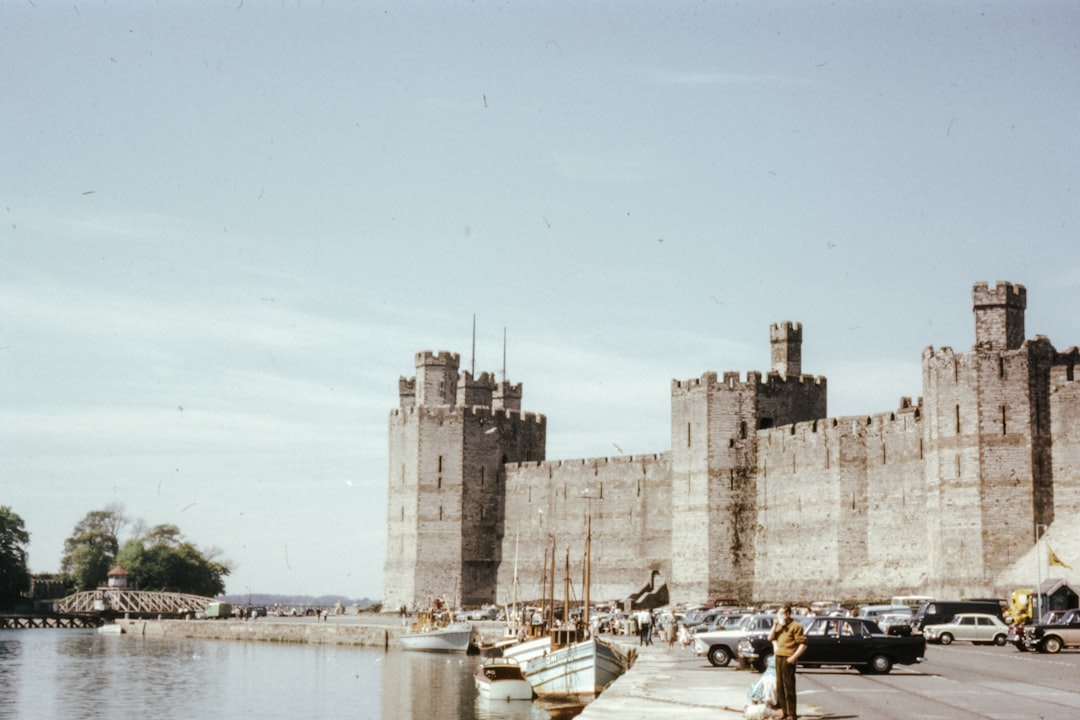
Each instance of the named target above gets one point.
<point>661,681</point>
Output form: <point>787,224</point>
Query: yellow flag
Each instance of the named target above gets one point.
<point>1054,559</point>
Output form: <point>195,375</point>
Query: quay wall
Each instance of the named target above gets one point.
<point>385,637</point>
<point>373,635</point>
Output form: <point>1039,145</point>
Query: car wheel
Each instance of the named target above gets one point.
<point>1052,644</point>
<point>719,656</point>
<point>945,639</point>
<point>1021,646</point>
<point>880,664</point>
<point>1000,640</point>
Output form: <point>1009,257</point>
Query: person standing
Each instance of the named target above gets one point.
<point>789,642</point>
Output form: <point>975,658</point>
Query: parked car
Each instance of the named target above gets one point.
<point>717,621</point>
<point>876,612</point>
<point>895,624</point>
<point>1052,638</point>
<point>942,611</point>
<point>859,643</point>
<point>720,646</point>
<point>979,628</point>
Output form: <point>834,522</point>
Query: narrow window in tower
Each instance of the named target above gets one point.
<point>742,429</point>
<point>1003,423</point>
<point>957,419</point>
<point>601,491</point>
<point>440,512</point>
<point>920,449</point>
<point>440,463</point>
<point>481,476</point>
<point>957,466</point>
<point>1001,366</point>
<point>687,434</point>
<point>639,488</point>
<point>438,483</point>
<point>883,461</point>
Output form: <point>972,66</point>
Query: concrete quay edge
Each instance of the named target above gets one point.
<point>676,683</point>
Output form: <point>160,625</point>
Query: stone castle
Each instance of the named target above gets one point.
<point>762,496</point>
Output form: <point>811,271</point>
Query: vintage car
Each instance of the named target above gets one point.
<point>978,628</point>
<point>720,646</point>
<point>1051,638</point>
<point>859,644</point>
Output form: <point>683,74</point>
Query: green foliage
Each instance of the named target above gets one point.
<point>162,560</point>
<point>90,552</point>
<point>14,576</point>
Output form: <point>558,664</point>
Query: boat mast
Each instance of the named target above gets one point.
<point>566,590</point>
<point>551,594</point>
<point>588,570</point>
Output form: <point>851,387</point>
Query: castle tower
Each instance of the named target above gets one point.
<point>446,483</point>
<point>999,315</point>
<point>988,430</point>
<point>436,378</point>
<point>714,452</point>
<point>785,340</point>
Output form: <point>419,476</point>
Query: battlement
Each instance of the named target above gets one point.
<point>590,462</point>
<point>785,331</point>
<point>733,381</point>
<point>488,413</point>
<point>1003,294</point>
<point>485,379</point>
<point>427,358</point>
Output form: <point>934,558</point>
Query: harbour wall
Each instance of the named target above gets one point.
<point>339,632</point>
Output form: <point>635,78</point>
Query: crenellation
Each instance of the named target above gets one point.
<point>924,498</point>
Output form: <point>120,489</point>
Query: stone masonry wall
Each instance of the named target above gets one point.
<point>629,500</point>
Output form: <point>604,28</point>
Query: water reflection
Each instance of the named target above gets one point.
<point>70,674</point>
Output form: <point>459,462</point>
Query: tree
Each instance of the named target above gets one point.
<point>91,550</point>
<point>162,560</point>
<point>14,577</point>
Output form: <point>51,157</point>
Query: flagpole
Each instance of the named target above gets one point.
<point>1038,572</point>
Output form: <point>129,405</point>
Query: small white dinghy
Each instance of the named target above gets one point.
<point>502,679</point>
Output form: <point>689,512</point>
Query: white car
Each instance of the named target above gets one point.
<point>972,627</point>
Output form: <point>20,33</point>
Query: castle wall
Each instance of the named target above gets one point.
<point>629,500</point>
<point>1065,434</point>
<point>840,511</point>
<point>761,496</point>
<point>491,438</point>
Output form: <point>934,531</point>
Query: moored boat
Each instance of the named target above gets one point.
<point>502,679</point>
<point>434,633</point>
<point>580,669</point>
<point>575,666</point>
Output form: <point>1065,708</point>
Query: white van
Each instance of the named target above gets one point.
<point>912,601</point>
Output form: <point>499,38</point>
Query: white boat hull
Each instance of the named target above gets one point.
<point>580,670</point>
<point>503,682</point>
<point>455,637</point>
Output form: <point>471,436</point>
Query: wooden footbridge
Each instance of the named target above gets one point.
<point>121,602</point>
<point>96,607</point>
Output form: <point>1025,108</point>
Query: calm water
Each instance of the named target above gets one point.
<point>69,674</point>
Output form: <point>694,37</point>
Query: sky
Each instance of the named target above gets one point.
<point>226,229</point>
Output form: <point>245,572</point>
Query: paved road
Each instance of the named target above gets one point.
<point>955,683</point>
<point>958,682</point>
